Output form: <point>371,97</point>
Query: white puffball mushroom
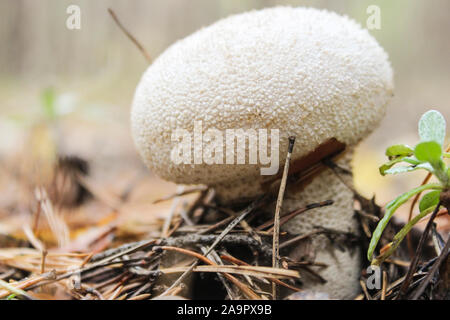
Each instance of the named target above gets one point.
<point>310,73</point>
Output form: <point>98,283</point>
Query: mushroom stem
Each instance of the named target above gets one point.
<point>343,263</point>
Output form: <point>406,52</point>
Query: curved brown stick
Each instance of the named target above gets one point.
<point>130,36</point>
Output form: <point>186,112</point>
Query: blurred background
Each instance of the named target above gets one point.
<point>69,91</point>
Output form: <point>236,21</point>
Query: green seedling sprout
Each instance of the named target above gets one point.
<point>427,155</point>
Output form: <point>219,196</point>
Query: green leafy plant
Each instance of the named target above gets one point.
<point>427,155</point>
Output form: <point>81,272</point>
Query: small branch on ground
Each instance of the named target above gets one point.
<point>130,36</point>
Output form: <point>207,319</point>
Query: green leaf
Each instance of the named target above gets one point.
<point>386,166</point>
<point>432,127</point>
<point>425,166</point>
<point>429,200</point>
<point>399,150</point>
<point>398,238</point>
<point>390,209</point>
<point>389,164</point>
<point>48,102</point>
<point>429,151</point>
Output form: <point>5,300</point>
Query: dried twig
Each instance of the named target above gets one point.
<point>290,215</point>
<point>130,36</point>
<point>276,225</point>
<point>216,225</point>
<point>214,257</point>
<point>436,265</point>
<point>15,290</point>
<point>55,221</point>
<point>247,291</point>
<point>168,222</point>
<point>242,263</point>
<point>364,288</point>
<point>244,224</point>
<point>384,286</point>
<point>415,261</point>
<point>233,223</point>
<point>299,238</point>
<point>28,283</point>
<point>180,193</point>
<point>266,272</point>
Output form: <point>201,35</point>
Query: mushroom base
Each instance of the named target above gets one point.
<point>343,259</point>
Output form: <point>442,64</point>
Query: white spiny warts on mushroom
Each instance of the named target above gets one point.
<point>310,73</point>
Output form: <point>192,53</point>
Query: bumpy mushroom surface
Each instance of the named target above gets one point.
<point>309,73</point>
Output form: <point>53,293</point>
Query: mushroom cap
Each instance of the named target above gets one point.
<point>309,73</point>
